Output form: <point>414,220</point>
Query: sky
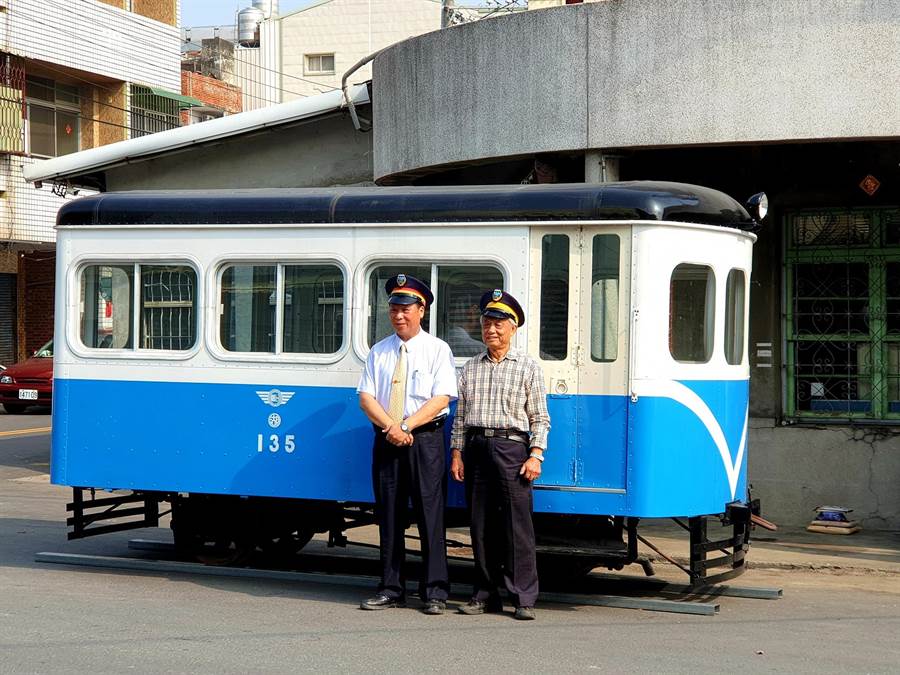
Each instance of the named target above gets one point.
<point>222,12</point>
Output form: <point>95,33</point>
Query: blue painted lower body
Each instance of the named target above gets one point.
<point>620,458</point>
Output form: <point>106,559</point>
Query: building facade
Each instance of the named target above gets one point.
<point>306,52</point>
<point>743,97</point>
<point>74,76</point>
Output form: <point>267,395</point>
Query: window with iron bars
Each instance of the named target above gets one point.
<point>842,318</point>
<point>151,113</point>
<point>167,307</point>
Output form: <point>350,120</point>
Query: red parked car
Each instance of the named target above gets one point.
<point>28,383</point>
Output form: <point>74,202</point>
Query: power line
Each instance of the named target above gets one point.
<point>153,45</point>
<point>273,70</point>
<point>150,44</point>
<point>128,110</point>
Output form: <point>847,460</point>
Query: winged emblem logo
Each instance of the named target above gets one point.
<point>275,397</point>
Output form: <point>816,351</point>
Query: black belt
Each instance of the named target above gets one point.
<point>511,434</point>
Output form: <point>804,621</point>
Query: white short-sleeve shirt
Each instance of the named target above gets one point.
<point>430,371</point>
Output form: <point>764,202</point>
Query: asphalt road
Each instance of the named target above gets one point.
<point>57,619</point>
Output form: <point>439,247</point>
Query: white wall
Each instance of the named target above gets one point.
<point>93,37</point>
<point>351,29</point>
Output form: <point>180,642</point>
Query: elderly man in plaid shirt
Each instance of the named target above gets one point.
<point>498,442</point>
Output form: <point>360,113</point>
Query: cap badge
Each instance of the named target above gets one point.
<point>401,280</point>
<point>497,294</point>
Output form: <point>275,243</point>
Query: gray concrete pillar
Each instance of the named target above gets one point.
<point>600,167</point>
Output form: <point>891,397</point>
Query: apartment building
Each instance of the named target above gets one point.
<point>305,52</point>
<point>74,74</point>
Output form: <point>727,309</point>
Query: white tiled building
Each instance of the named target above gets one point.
<point>306,52</point>
<point>74,74</point>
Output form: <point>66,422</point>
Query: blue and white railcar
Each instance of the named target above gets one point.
<point>208,346</point>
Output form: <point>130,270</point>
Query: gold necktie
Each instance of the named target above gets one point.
<point>397,401</point>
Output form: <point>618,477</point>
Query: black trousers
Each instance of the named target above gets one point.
<point>399,475</point>
<point>500,505</point>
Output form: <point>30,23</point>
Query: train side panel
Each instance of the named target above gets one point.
<point>689,413</point>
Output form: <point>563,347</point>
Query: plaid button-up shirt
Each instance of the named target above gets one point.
<point>505,395</point>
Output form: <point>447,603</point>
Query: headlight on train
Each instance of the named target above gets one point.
<point>6,379</point>
<point>758,206</point>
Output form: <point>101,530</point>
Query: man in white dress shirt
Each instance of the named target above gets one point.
<point>405,390</point>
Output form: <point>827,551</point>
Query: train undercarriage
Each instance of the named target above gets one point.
<point>232,530</point>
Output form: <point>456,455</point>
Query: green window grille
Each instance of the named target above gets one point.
<point>842,319</point>
<point>151,112</point>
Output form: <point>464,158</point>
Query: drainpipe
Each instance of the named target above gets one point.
<point>357,120</point>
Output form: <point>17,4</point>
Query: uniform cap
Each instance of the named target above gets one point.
<point>406,290</point>
<point>499,304</point>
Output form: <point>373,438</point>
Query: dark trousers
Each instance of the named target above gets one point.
<point>500,504</point>
<point>416,473</point>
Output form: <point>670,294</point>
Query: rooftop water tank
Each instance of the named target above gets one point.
<point>248,26</point>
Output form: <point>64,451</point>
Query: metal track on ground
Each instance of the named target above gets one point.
<point>624,581</point>
<point>364,581</point>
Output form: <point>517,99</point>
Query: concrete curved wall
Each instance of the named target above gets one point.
<point>639,73</point>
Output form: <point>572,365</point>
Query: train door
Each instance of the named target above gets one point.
<point>579,334</point>
<point>602,357</point>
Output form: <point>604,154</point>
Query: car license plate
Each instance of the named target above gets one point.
<point>28,394</point>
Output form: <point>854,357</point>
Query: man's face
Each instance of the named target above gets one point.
<point>406,319</point>
<point>497,333</point>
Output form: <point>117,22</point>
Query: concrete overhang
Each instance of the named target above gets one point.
<point>86,168</point>
<point>636,74</point>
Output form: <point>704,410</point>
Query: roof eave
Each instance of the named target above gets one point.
<point>76,165</point>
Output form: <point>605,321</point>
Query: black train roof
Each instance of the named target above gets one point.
<point>639,200</point>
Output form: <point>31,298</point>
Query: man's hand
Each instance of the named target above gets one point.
<point>396,436</point>
<point>457,466</point>
<point>531,469</point>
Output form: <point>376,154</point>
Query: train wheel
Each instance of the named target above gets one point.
<point>213,549</point>
<point>282,549</point>
<point>561,567</point>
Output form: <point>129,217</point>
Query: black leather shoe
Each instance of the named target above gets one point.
<point>481,606</point>
<point>382,601</point>
<point>434,607</point>
<point>525,613</point>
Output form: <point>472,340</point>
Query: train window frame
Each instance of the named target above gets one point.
<point>213,333</point>
<point>709,306</point>
<point>606,315</point>
<point>733,338</point>
<point>572,240</point>
<point>73,334</point>
<point>367,266</point>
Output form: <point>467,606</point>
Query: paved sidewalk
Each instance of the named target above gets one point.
<point>862,553</point>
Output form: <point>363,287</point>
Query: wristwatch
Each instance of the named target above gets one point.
<point>404,427</point>
<point>538,457</point>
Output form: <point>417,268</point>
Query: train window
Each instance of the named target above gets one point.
<point>554,321</point>
<point>692,294</point>
<point>458,290</point>
<point>313,302</point>
<point>735,290</point>
<point>168,306</point>
<point>107,312</point>
<point>605,297</point>
<point>248,305</point>
<point>459,318</point>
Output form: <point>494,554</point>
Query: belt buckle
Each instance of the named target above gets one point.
<point>488,433</point>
